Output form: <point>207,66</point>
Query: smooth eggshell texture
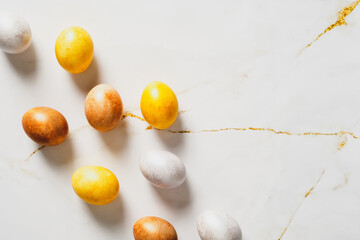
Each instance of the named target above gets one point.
<point>159,105</point>
<point>74,49</point>
<point>45,126</point>
<point>163,169</point>
<point>214,225</point>
<point>15,33</point>
<point>95,185</point>
<point>154,228</point>
<point>103,107</point>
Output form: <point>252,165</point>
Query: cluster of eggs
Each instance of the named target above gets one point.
<point>97,185</point>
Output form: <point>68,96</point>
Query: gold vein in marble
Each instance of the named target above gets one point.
<point>340,133</point>
<point>301,203</point>
<point>29,173</point>
<point>309,192</point>
<point>35,151</point>
<point>340,20</point>
<point>346,181</point>
<point>128,114</point>
<point>75,131</point>
<point>342,143</point>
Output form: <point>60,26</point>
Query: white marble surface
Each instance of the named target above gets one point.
<point>233,64</point>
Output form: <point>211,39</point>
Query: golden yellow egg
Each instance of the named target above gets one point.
<point>95,185</point>
<point>74,49</point>
<point>159,105</point>
<point>45,126</point>
<point>154,228</point>
<point>103,107</point>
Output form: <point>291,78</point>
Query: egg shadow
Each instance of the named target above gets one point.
<point>110,214</point>
<point>24,63</point>
<point>116,140</point>
<point>59,155</point>
<point>172,140</point>
<point>88,79</point>
<point>176,198</point>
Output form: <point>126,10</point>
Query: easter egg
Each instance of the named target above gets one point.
<point>103,107</point>
<point>159,105</point>
<point>95,185</point>
<point>15,33</point>
<point>154,228</point>
<point>162,169</point>
<point>45,126</point>
<point>214,225</point>
<point>74,49</point>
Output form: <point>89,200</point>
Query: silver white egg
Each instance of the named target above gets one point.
<point>213,225</point>
<point>15,33</point>
<point>163,169</point>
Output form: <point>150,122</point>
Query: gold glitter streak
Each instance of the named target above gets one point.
<point>340,20</point>
<point>341,133</point>
<point>127,114</point>
<point>36,150</point>
<point>342,144</point>
<point>308,193</point>
<point>346,181</point>
<point>301,203</point>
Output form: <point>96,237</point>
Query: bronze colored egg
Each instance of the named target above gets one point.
<point>103,107</point>
<point>45,126</point>
<point>154,228</point>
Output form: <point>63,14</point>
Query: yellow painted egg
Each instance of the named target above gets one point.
<point>74,49</point>
<point>159,105</point>
<point>103,107</point>
<point>95,185</point>
<point>45,126</point>
<point>154,228</point>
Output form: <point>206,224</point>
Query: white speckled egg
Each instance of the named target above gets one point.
<point>214,225</point>
<point>15,33</point>
<point>163,169</point>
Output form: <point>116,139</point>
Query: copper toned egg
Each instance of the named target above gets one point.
<point>45,126</point>
<point>103,107</point>
<point>154,228</point>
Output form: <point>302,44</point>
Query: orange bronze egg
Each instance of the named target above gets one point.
<point>45,126</point>
<point>154,228</point>
<point>103,107</point>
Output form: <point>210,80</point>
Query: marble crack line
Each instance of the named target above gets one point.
<point>340,133</point>
<point>301,203</point>
<point>340,21</point>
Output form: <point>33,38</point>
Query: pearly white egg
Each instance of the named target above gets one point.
<point>214,225</point>
<point>163,169</point>
<point>15,33</point>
